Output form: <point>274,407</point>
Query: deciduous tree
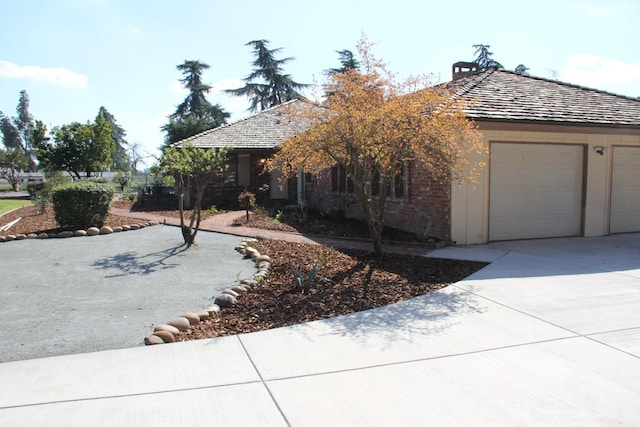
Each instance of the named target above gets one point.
<point>192,166</point>
<point>12,163</point>
<point>267,85</point>
<point>78,147</point>
<point>372,125</point>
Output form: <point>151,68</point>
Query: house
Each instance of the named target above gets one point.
<point>564,160</point>
<point>252,141</point>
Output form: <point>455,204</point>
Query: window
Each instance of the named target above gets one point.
<point>227,178</point>
<point>230,174</point>
<point>400,181</point>
<point>340,180</point>
<point>399,186</point>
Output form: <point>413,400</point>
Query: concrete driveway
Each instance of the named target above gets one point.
<point>548,334</point>
<point>83,294</point>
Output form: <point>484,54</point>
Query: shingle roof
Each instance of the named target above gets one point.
<point>507,96</point>
<point>264,130</point>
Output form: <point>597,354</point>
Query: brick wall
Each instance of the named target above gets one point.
<point>426,210</point>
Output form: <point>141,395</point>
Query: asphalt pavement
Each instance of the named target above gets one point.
<point>85,294</point>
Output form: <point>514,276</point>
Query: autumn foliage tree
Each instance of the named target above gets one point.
<point>372,125</point>
<point>192,167</point>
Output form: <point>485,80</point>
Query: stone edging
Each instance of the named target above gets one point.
<point>167,332</point>
<point>91,231</point>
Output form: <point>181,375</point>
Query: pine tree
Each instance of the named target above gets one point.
<point>195,114</point>
<point>267,85</point>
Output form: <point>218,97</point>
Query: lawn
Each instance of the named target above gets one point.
<point>9,204</point>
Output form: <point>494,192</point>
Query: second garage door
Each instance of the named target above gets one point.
<point>535,191</point>
<point>625,190</point>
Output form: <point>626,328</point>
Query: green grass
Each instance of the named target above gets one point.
<point>9,204</point>
<point>5,186</point>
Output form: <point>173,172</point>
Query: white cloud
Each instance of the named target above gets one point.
<point>594,71</point>
<point>58,76</point>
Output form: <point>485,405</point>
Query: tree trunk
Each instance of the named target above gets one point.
<point>16,186</point>
<point>183,228</point>
<point>374,227</point>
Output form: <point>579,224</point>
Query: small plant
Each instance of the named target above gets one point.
<point>298,276</point>
<point>247,200</point>
<point>422,231</point>
<point>123,179</point>
<point>40,192</point>
<point>212,210</point>
<point>278,216</point>
<point>39,195</point>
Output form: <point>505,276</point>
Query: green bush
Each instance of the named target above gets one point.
<point>40,192</point>
<point>39,195</point>
<point>82,204</point>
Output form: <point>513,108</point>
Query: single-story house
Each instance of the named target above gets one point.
<point>252,141</point>
<point>564,161</point>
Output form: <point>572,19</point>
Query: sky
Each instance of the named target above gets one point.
<point>74,56</point>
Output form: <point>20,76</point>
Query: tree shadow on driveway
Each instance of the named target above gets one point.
<point>132,263</point>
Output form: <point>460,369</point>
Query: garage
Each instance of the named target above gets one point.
<point>535,190</point>
<point>625,190</point>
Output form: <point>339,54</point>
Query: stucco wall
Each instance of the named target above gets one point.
<point>470,202</point>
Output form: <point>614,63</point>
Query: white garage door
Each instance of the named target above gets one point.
<point>535,191</point>
<point>625,190</point>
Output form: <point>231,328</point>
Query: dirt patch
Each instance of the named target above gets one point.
<point>35,222</point>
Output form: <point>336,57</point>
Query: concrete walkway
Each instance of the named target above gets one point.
<point>547,334</point>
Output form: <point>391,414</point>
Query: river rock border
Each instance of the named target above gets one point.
<point>91,231</point>
<point>167,332</point>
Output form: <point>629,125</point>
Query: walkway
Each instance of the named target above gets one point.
<point>223,223</point>
<point>547,334</point>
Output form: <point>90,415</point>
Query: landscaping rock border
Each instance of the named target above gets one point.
<point>166,332</point>
<point>91,231</point>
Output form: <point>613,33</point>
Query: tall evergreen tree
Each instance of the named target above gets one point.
<point>18,131</point>
<point>484,57</point>
<point>195,114</point>
<point>10,133</point>
<point>347,62</point>
<point>120,157</point>
<point>522,69</point>
<point>267,85</point>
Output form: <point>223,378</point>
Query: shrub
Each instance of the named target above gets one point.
<point>82,204</point>
<point>40,192</point>
<point>247,200</point>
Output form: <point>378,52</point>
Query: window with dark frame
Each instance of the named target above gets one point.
<point>399,186</point>
<point>340,180</point>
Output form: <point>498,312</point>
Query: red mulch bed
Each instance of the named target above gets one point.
<point>349,281</point>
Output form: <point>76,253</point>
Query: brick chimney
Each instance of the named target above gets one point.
<point>463,69</point>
